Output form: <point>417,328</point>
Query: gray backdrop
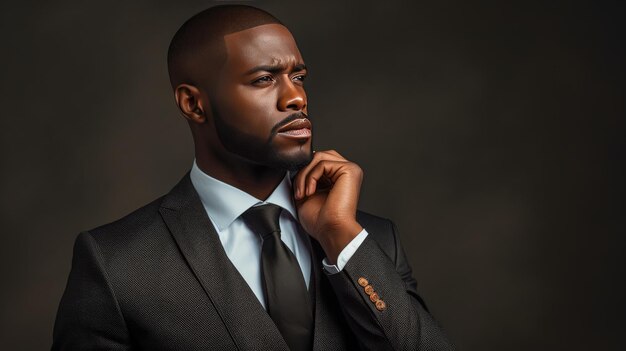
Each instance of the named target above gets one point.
<point>492,133</point>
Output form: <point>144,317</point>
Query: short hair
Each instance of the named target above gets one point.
<point>199,42</point>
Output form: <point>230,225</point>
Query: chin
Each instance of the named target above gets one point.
<point>293,161</point>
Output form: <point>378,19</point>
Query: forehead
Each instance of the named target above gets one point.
<point>262,45</point>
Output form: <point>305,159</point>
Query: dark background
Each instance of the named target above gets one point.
<point>492,133</point>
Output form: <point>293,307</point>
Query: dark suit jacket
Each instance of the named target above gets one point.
<point>159,279</point>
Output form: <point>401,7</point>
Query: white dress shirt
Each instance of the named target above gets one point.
<point>225,204</point>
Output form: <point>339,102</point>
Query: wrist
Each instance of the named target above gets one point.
<point>335,240</point>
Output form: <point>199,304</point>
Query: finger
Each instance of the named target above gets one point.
<point>299,180</point>
<point>336,154</point>
<point>324,169</point>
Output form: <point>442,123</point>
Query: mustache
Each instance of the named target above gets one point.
<point>292,117</point>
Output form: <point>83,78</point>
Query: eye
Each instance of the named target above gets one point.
<point>263,80</point>
<point>300,78</point>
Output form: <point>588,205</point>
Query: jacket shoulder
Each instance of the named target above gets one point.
<point>132,227</point>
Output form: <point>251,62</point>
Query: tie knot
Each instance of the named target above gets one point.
<point>263,219</point>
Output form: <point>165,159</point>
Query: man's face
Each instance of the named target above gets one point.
<point>259,105</point>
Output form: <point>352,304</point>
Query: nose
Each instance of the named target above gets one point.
<point>291,97</point>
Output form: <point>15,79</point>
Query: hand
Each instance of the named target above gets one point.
<point>327,193</point>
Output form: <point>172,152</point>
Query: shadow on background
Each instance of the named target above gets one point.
<point>491,133</point>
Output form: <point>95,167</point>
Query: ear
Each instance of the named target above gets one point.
<point>188,99</point>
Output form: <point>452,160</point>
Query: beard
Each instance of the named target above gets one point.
<point>263,151</point>
<point>291,163</point>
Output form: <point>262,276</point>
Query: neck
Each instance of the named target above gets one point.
<point>258,181</point>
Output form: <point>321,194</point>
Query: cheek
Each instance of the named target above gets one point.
<point>253,110</point>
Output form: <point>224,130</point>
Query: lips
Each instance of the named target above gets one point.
<point>297,126</point>
<point>299,129</point>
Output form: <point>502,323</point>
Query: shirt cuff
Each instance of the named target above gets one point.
<point>345,254</point>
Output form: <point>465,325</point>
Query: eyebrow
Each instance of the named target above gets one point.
<point>277,68</point>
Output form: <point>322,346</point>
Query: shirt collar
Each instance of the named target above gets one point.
<point>224,203</point>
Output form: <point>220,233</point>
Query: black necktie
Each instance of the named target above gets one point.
<point>286,295</point>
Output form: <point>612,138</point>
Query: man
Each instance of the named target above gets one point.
<point>238,255</point>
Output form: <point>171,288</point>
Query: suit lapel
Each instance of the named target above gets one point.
<point>247,322</point>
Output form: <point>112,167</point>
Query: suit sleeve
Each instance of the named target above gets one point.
<point>89,317</point>
<point>402,321</point>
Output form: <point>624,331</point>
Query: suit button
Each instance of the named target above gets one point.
<point>381,305</point>
<point>374,297</point>
<point>363,282</point>
<point>369,290</point>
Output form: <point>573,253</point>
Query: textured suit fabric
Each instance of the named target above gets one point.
<point>159,279</point>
